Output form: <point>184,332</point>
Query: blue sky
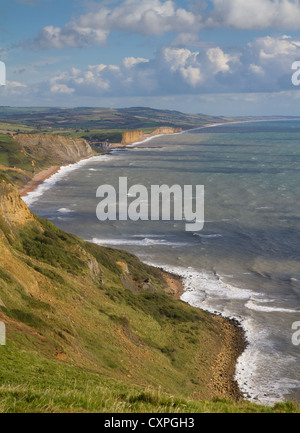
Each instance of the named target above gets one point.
<point>225,57</point>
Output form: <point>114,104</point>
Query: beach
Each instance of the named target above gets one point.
<point>42,176</point>
<point>38,179</point>
<point>222,382</point>
<point>226,269</point>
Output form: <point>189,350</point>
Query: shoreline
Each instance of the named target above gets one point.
<point>40,177</point>
<point>223,383</point>
<point>43,175</point>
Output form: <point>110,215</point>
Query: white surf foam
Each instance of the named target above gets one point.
<point>203,290</point>
<point>151,138</point>
<point>65,210</point>
<point>253,305</point>
<point>257,370</point>
<point>212,236</point>
<point>138,242</point>
<point>33,196</point>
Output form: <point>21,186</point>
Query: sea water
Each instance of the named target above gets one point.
<point>244,264</point>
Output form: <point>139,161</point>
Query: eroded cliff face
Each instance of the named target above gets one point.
<point>12,208</point>
<point>166,130</point>
<point>54,148</point>
<point>130,137</point>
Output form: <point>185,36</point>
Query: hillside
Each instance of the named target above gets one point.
<point>24,155</point>
<point>92,329</point>
<point>69,305</point>
<point>53,149</point>
<point>26,119</point>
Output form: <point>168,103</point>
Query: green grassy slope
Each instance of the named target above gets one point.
<point>101,118</point>
<point>93,329</point>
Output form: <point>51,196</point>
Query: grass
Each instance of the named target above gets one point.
<point>49,244</point>
<point>55,388</point>
<point>83,335</point>
<point>56,119</point>
<point>10,154</point>
<point>16,127</point>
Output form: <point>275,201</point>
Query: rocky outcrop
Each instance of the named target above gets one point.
<point>12,208</point>
<point>55,149</point>
<point>130,137</point>
<point>166,130</point>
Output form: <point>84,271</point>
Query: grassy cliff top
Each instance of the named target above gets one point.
<point>92,329</point>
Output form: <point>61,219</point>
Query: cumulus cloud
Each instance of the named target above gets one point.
<point>262,65</point>
<point>73,35</point>
<point>130,62</point>
<point>14,88</point>
<point>146,17</point>
<point>255,14</point>
<point>156,17</point>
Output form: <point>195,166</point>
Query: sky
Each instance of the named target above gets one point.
<point>219,57</point>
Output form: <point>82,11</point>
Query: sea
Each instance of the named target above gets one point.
<point>244,264</point>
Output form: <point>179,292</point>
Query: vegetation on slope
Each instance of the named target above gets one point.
<point>97,124</point>
<point>93,329</point>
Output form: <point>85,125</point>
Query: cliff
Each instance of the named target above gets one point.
<point>96,323</point>
<point>166,130</point>
<point>53,149</point>
<point>13,211</point>
<point>131,137</point>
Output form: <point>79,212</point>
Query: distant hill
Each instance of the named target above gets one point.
<point>101,118</point>
<point>93,329</point>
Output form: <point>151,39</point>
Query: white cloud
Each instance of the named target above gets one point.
<point>275,48</point>
<point>13,84</point>
<point>192,75</point>
<point>220,60</point>
<point>130,62</point>
<point>264,65</point>
<point>255,14</point>
<point>15,88</point>
<point>256,69</point>
<point>61,88</point>
<point>72,36</point>
<point>156,17</point>
<point>185,63</point>
<point>146,17</point>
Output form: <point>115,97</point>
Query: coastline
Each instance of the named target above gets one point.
<point>38,179</point>
<point>222,383</point>
<point>44,175</point>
